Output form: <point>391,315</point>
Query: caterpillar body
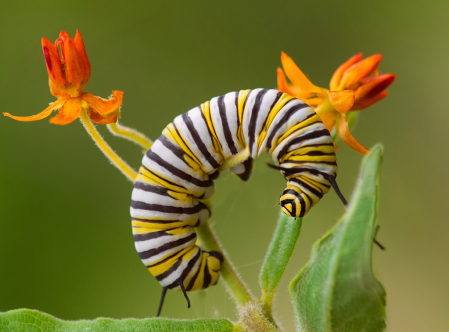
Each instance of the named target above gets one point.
<point>177,173</point>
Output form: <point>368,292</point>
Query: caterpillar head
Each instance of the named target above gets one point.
<point>293,202</point>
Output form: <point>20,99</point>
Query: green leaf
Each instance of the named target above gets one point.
<point>279,252</point>
<point>34,321</point>
<point>337,290</point>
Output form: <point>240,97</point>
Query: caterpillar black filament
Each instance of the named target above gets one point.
<point>177,173</point>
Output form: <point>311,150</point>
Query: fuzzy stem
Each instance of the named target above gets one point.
<point>253,319</point>
<point>267,309</point>
<point>130,134</point>
<point>106,149</point>
<point>234,283</point>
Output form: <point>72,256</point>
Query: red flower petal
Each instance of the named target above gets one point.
<point>53,63</point>
<point>374,86</point>
<point>365,103</point>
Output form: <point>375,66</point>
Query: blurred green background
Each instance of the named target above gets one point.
<point>66,246</point>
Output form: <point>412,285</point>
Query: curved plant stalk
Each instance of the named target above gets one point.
<point>242,295</point>
<point>130,134</point>
<point>252,313</point>
<point>106,149</point>
<point>240,292</point>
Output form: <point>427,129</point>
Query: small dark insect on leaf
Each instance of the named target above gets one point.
<point>375,240</point>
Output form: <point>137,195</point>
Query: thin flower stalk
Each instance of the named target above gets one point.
<point>69,71</point>
<point>130,134</point>
<point>106,149</point>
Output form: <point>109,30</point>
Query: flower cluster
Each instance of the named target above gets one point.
<point>69,72</point>
<point>355,85</point>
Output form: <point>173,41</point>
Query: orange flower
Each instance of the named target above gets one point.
<point>355,85</point>
<point>68,75</point>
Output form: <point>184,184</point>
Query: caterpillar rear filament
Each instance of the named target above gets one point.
<point>177,172</point>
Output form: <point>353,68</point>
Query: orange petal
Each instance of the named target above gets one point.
<point>73,66</point>
<point>104,106</point>
<point>53,62</point>
<point>62,36</point>
<point>342,100</point>
<point>296,76</point>
<point>311,99</point>
<point>336,147</point>
<point>68,113</point>
<point>101,119</point>
<point>79,45</point>
<point>347,137</point>
<point>353,75</point>
<point>329,120</point>
<point>57,91</point>
<point>53,106</point>
<point>374,86</point>
<point>283,86</point>
<point>336,78</point>
<point>365,103</point>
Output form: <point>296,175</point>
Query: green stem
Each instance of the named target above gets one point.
<point>242,295</point>
<point>234,283</point>
<point>267,304</point>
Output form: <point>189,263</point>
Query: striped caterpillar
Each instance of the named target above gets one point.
<point>177,173</point>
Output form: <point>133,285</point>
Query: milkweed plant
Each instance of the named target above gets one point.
<point>337,290</point>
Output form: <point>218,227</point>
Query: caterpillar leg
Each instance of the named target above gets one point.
<point>243,170</point>
<point>304,192</point>
<point>201,271</point>
<point>305,188</point>
<point>164,290</point>
<point>181,284</point>
<point>375,240</point>
<point>337,189</point>
<point>294,203</point>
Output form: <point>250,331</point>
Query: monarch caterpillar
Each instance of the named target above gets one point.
<point>177,173</point>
